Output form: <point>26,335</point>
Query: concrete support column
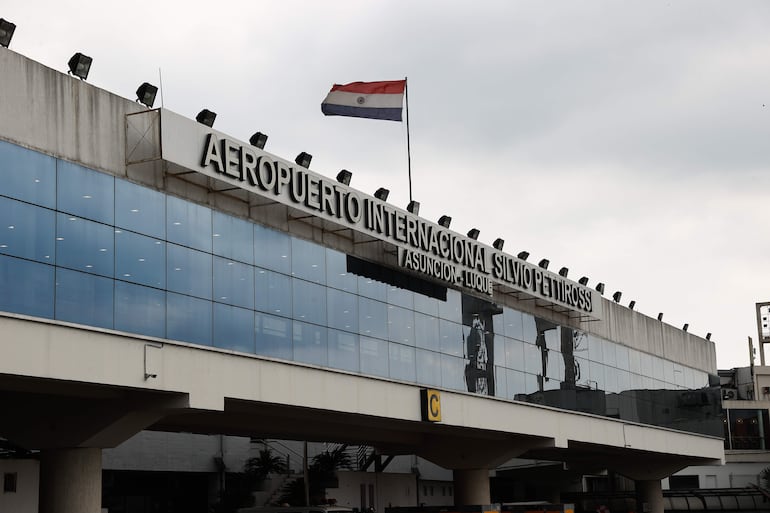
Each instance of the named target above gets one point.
<point>71,480</point>
<point>649,496</point>
<point>471,487</point>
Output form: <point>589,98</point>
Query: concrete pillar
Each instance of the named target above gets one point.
<point>649,496</point>
<point>71,480</point>
<point>471,487</point>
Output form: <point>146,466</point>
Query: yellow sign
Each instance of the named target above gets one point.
<point>431,405</point>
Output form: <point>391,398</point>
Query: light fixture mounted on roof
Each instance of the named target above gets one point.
<point>414,207</point>
<point>616,296</point>
<point>382,194</point>
<point>344,177</point>
<point>631,305</point>
<point>80,65</point>
<point>146,94</point>
<point>498,244</point>
<point>660,316</point>
<point>445,221</point>
<point>6,32</point>
<point>708,336</point>
<point>523,255</point>
<point>258,140</point>
<point>206,117</point>
<point>473,233</point>
<point>303,159</point>
<point>583,281</point>
<point>543,264</point>
<point>600,288</point>
<point>563,272</point>
<point>686,326</point>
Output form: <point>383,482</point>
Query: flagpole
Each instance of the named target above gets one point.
<point>408,147</point>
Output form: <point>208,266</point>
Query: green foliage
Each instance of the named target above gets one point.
<point>259,467</point>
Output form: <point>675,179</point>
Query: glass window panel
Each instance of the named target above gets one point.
<point>310,344</point>
<point>610,356</point>
<point>637,382</point>
<point>84,298</point>
<point>426,304</point>
<point>611,379</point>
<point>343,350</point>
<point>646,364</point>
<point>624,381</point>
<point>533,362</point>
<point>634,361</point>
<point>552,335</point>
<point>32,285</point>
<point>372,318</point>
<point>272,249</point>
<point>582,372</point>
<point>342,310</point>
<point>273,336</point>
<point>337,274</point>
<point>85,193</point>
<point>27,231</point>
<point>679,375</point>
<point>140,310</point>
<point>497,355</point>
<point>513,323</point>
<point>400,325</point>
<point>27,175</point>
<point>232,238</point>
<point>374,356</point>
<point>555,367</point>
<point>621,355</point>
<point>402,362</point>
<point>426,334</point>
<point>516,383</point>
<point>140,259</point>
<point>308,261</point>
<point>657,368</point>
<point>531,385</point>
<point>233,328</point>
<point>84,245</point>
<point>309,301</point>
<point>400,297</point>
<point>233,283</point>
<point>451,309</point>
<point>188,319</point>
<point>514,354</point>
<point>451,339</point>
<point>273,292</point>
<point>668,371</point>
<point>595,349</point>
<point>597,380</point>
<point>189,271</point>
<point>188,224</point>
<point>501,382</point>
<point>528,328</point>
<point>140,209</point>
<point>428,368</point>
<point>372,288</point>
<point>453,373</point>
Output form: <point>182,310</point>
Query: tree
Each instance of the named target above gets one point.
<point>259,467</point>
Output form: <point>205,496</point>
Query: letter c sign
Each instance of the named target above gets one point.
<point>431,405</point>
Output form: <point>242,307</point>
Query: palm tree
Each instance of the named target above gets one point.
<point>258,467</point>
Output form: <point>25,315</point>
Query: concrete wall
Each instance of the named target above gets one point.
<point>390,490</point>
<point>25,498</point>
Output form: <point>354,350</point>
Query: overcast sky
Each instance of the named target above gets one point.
<point>628,141</point>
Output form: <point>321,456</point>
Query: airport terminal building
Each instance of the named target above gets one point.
<point>159,274</point>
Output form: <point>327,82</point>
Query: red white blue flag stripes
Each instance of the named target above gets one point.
<point>374,100</point>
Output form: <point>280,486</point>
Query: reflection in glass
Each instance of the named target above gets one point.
<point>232,238</point>
<point>84,298</point>
<point>188,224</point>
<point>84,245</point>
<point>273,336</point>
<point>308,261</point>
<point>27,231</point>
<point>426,331</point>
<point>189,271</point>
<point>141,310</point>
<point>372,318</point>
<point>272,249</point>
<point>402,362</point>
<point>33,286</point>
<point>374,356</point>
<point>343,350</point>
<point>342,310</point>
<point>140,259</point>
<point>233,283</point>
<point>337,274</point>
<point>188,319</point>
<point>27,175</point>
<point>273,292</point>
<point>140,209</point>
<point>85,193</point>
<point>400,325</point>
<point>428,367</point>
<point>233,328</point>
<point>310,343</point>
<point>309,301</point>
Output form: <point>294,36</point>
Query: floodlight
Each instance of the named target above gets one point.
<point>708,336</point>
<point>146,94</point>
<point>631,305</point>
<point>600,288</point>
<point>616,296</point>
<point>80,65</point>
<point>543,264</point>
<point>206,117</point>
<point>473,233</point>
<point>303,159</point>
<point>445,221</point>
<point>523,255</point>
<point>498,244</point>
<point>6,32</point>
<point>259,140</point>
<point>583,281</point>
<point>414,207</point>
<point>563,272</point>
<point>686,326</point>
<point>344,177</point>
<point>660,316</point>
<point>382,194</point>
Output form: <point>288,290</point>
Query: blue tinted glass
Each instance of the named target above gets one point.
<point>372,288</point>
<point>309,301</point>
<point>84,298</point>
<point>140,310</point>
<point>272,249</point>
<point>428,368</point>
<point>374,356</point>
<point>140,259</point>
<point>342,310</point>
<point>189,271</point>
<point>26,230</point>
<point>343,350</point>
<point>273,336</point>
<point>513,358</point>
<point>453,372</point>
<point>188,224</point>
<point>85,192</point>
<point>426,331</point>
<point>84,245</point>
<point>140,209</point>
<point>451,340</point>
<point>337,274</point>
<point>400,325</point>
<point>513,324</point>
<point>400,297</point>
<point>426,304</point>
<point>27,175</point>
<point>308,261</point>
<point>273,292</point>
<point>188,319</point>
<point>402,362</point>
<point>309,343</point>
<point>233,238</point>
<point>233,328</point>
<point>516,383</point>
<point>233,283</point>
<point>32,286</point>
<point>372,318</point>
<point>451,309</point>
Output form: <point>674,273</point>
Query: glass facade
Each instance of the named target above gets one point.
<point>746,429</point>
<point>85,247</point>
